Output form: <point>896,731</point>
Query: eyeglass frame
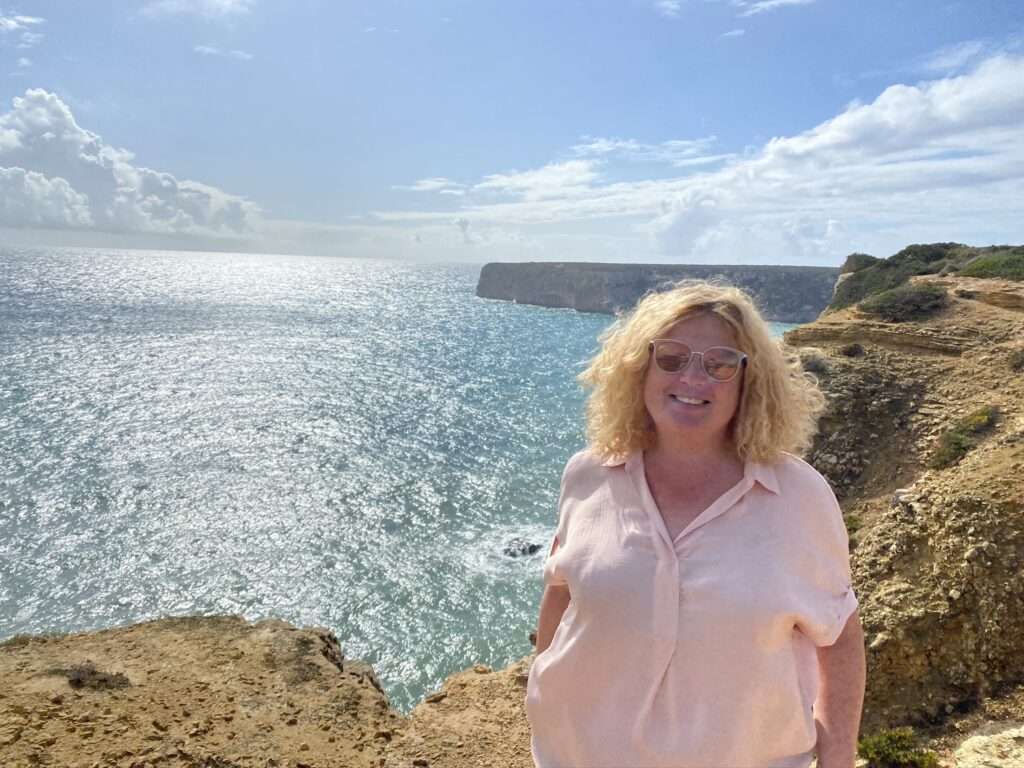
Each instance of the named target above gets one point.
<point>652,349</point>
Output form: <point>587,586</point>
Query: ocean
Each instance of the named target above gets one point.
<point>335,442</point>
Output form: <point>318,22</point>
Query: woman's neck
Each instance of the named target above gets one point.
<point>667,454</point>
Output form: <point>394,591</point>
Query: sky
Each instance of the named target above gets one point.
<point>652,131</point>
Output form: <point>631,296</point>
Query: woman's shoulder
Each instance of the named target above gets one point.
<point>586,460</point>
<point>589,460</point>
<point>798,478</point>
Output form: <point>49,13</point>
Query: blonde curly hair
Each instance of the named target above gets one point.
<point>779,402</point>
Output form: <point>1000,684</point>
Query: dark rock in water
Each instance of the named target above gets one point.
<point>520,548</point>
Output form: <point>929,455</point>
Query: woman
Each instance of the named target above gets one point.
<point>697,608</point>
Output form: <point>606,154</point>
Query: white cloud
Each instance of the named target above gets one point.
<point>953,58</point>
<point>19,23</point>
<point>754,7</point>
<point>206,8</point>
<point>209,50</point>
<point>939,160</point>
<point>734,33</point>
<point>57,174</point>
<point>677,152</point>
<point>436,184</point>
<point>554,180</point>
<point>668,8</point>
<point>28,198</point>
<point>24,63</point>
<point>25,26</point>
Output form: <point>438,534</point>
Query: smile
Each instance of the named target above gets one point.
<point>689,400</point>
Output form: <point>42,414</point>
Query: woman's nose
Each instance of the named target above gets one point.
<point>694,367</point>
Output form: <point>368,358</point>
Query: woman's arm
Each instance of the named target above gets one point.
<point>552,606</point>
<point>841,697</point>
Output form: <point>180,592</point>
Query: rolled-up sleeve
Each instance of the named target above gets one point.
<point>825,596</point>
<point>553,575</point>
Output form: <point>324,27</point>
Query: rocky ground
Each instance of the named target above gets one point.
<point>937,552</point>
<point>937,557</point>
<point>219,692</point>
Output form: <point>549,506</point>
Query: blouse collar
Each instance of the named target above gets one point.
<point>759,472</point>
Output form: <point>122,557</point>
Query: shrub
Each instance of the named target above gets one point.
<point>851,350</point>
<point>813,360</point>
<point>886,274</point>
<point>17,641</point>
<point>895,748</point>
<point>857,261</point>
<point>964,435</point>
<point>908,302</point>
<point>1008,265</point>
<point>866,276</point>
<point>1017,360</point>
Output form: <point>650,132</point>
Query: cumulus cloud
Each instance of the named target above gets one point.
<point>915,150</point>
<point>754,7</point>
<point>205,8</point>
<point>28,198</point>
<point>58,174</point>
<point>941,159</point>
<point>209,50</point>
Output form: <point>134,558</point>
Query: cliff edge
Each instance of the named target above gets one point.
<point>221,692</point>
<point>784,294</point>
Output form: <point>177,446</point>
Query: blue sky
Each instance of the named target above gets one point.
<point>701,131</point>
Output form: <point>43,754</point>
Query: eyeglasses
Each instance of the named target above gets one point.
<point>719,363</point>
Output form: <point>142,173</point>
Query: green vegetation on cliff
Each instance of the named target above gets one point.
<point>866,275</point>
<point>895,748</point>
<point>955,442</point>
<point>1008,265</point>
<point>907,302</point>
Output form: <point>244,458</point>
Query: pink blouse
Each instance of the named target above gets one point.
<point>697,652</point>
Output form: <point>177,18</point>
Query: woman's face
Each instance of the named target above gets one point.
<point>689,404</point>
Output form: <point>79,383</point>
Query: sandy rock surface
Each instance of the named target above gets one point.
<point>206,692</point>
<point>998,744</point>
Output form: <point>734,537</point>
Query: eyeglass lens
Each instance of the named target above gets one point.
<point>720,363</point>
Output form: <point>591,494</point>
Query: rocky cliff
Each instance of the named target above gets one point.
<point>785,294</point>
<point>924,442</point>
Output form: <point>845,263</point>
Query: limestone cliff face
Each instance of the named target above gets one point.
<point>937,550</point>
<point>785,294</point>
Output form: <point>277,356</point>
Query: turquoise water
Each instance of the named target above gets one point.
<point>335,442</point>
